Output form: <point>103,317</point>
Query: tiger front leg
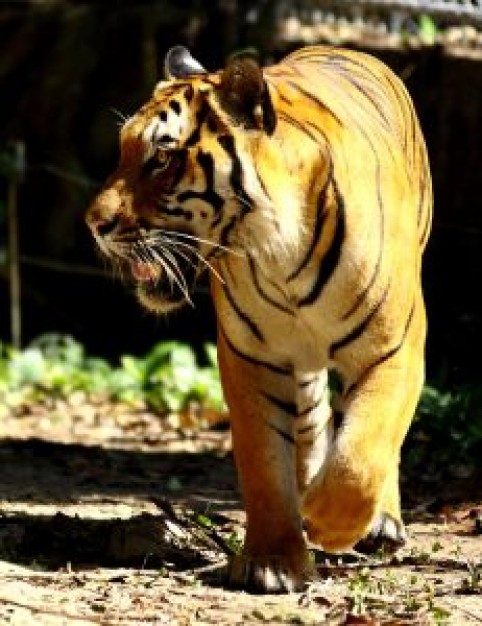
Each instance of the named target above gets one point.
<point>356,496</point>
<point>274,558</point>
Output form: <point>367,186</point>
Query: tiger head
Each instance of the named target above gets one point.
<point>189,186</point>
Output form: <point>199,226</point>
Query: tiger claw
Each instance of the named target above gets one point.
<point>387,534</point>
<point>266,575</point>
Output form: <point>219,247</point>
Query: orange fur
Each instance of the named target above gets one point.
<point>305,190</point>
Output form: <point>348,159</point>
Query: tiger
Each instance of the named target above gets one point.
<point>303,190</point>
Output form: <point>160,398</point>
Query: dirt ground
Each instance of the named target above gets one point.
<point>115,516</point>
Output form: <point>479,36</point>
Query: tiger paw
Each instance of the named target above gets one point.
<point>387,534</point>
<point>268,574</point>
<point>337,524</point>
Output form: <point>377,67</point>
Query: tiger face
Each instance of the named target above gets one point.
<point>184,182</point>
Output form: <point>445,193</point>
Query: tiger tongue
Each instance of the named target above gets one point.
<point>144,272</point>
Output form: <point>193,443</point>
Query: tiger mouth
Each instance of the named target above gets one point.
<point>143,272</point>
<point>164,286</point>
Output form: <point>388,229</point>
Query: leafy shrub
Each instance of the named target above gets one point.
<point>167,378</point>
<point>447,430</point>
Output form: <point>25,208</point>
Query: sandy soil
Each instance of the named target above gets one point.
<point>115,516</point>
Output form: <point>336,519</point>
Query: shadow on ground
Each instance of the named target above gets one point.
<point>41,480</point>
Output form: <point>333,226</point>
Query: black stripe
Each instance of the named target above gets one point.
<point>262,183</point>
<point>286,436</point>
<point>301,126</point>
<point>319,222</point>
<point>306,429</point>
<point>287,407</point>
<point>399,95</point>
<point>236,176</point>
<point>276,369</point>
<point>164,140</point>
<point>242,315</point>
<point>426,228</point>
<point>385,357</point>
<point>362,296</point>
<point>226,231</point>
<point>175,106</point>
<point>360,328</point>
<point>282,96</point>
<point>334,59</point>
<point>424,206</point>
<point>310,408</point>
<point>368,96</point>
<point>262,293</point>
<point>178,167</point>
<point>319,131</point>
<point>401,100</point>
<point>414,129</point>
<point>313,98</point>
<point>209,196</point>
<point>331,258</point>
<point>338,417</point>
<point>306,383</point>
<point>175,212</point>
<point>421,191</point>
<point>201,117</point>
<point>189,93</point>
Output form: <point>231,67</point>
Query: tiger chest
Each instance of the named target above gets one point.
<point>261,320</point>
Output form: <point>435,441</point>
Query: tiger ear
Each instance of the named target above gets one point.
<point>180,64</point>
<point>244,95</point>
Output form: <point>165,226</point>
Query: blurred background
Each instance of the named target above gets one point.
<point>69,69</point>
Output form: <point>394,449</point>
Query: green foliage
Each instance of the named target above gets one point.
<point>167,378</point>
<point>427,29</point>
<point>447,428</point>
<point>447,431</point>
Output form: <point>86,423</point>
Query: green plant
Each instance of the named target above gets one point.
<point>427,29</point>
<point>447,429</point>
<point>167,378</point>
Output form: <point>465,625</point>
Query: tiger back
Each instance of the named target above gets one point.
<point>304,190</point>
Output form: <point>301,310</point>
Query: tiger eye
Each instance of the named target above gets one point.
<point>163,159</point>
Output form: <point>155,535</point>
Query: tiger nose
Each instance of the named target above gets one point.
<point>103,216</point>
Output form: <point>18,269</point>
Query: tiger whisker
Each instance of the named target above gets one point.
<point>177,234</point>
<point>173,244</point>
<point>147,255</point>
<point>172,251</point>
<point>198,255</point>
<point>122,119</point>
<point>180,279</point>
<point>168,260</point>
<point>116,254</point>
